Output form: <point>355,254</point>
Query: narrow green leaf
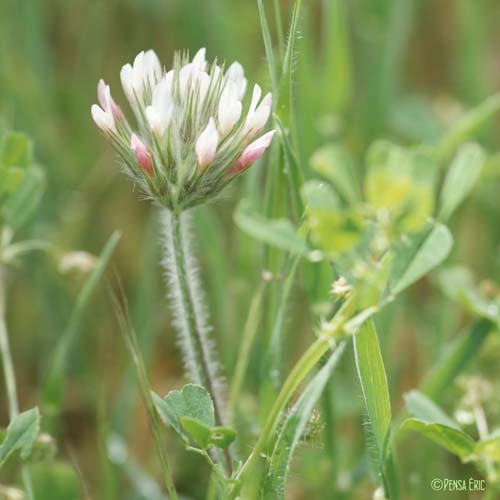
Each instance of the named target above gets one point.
<point>293,170</point>
<point>423,408</point>
<point>268,46</point>
<point>419,253</point>
<point>53,385</point>
<point>276,232</point>
<point>373,379</point>
<point>21,435</point>
<point>285,98</point>
<point>295,423</point>
<point>460,179</point>
<point>453,440</point>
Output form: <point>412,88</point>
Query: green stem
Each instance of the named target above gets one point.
<point>299,372</point>
<point>190,313</point>
<point>10,377</point>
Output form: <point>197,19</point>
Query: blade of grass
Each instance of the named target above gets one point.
<point>285,96</point>
<point>268,46</point>
<point>294,173</point>
<point>373,379</point>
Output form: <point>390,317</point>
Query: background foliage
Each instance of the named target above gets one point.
<point>402,70</point>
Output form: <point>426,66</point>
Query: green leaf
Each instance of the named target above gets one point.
<point>222,437</point>
<point>21,435</point>
<point>419,253</point>
<point>23,203</point>
<point>423,408</point>
<point>268,46</point>
<point>373,379</point>
<point>291,431</point>
<point>460,179</point>
<point>285,97</point>
<point>276,232</point>
<point>293,170</point>
<point>197,430</point>
<point>192,401</point>
<point>53,385</point>
<point>336,164</point>
<point>16,149</point>
<point>190,412</point>
<point>453,440</point>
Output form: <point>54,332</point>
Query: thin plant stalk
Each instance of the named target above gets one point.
<point>10,378</point>
<point>190,312</point>
<point>156,426</point>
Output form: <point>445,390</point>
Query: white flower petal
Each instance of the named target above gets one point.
<point>206,145</point>
<point>102,119</point>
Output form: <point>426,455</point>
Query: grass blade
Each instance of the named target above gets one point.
<point>268,46</point>
<point>373,379</point>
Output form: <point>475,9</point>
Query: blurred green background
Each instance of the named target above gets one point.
<point>364,69</point>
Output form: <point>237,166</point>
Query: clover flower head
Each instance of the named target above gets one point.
<point>192,137</point>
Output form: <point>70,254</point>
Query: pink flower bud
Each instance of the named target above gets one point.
<point>142,154</point>
<point>252,153</point>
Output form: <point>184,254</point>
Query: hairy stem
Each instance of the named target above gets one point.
<point>190,313</point>
<point>10,377</point>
